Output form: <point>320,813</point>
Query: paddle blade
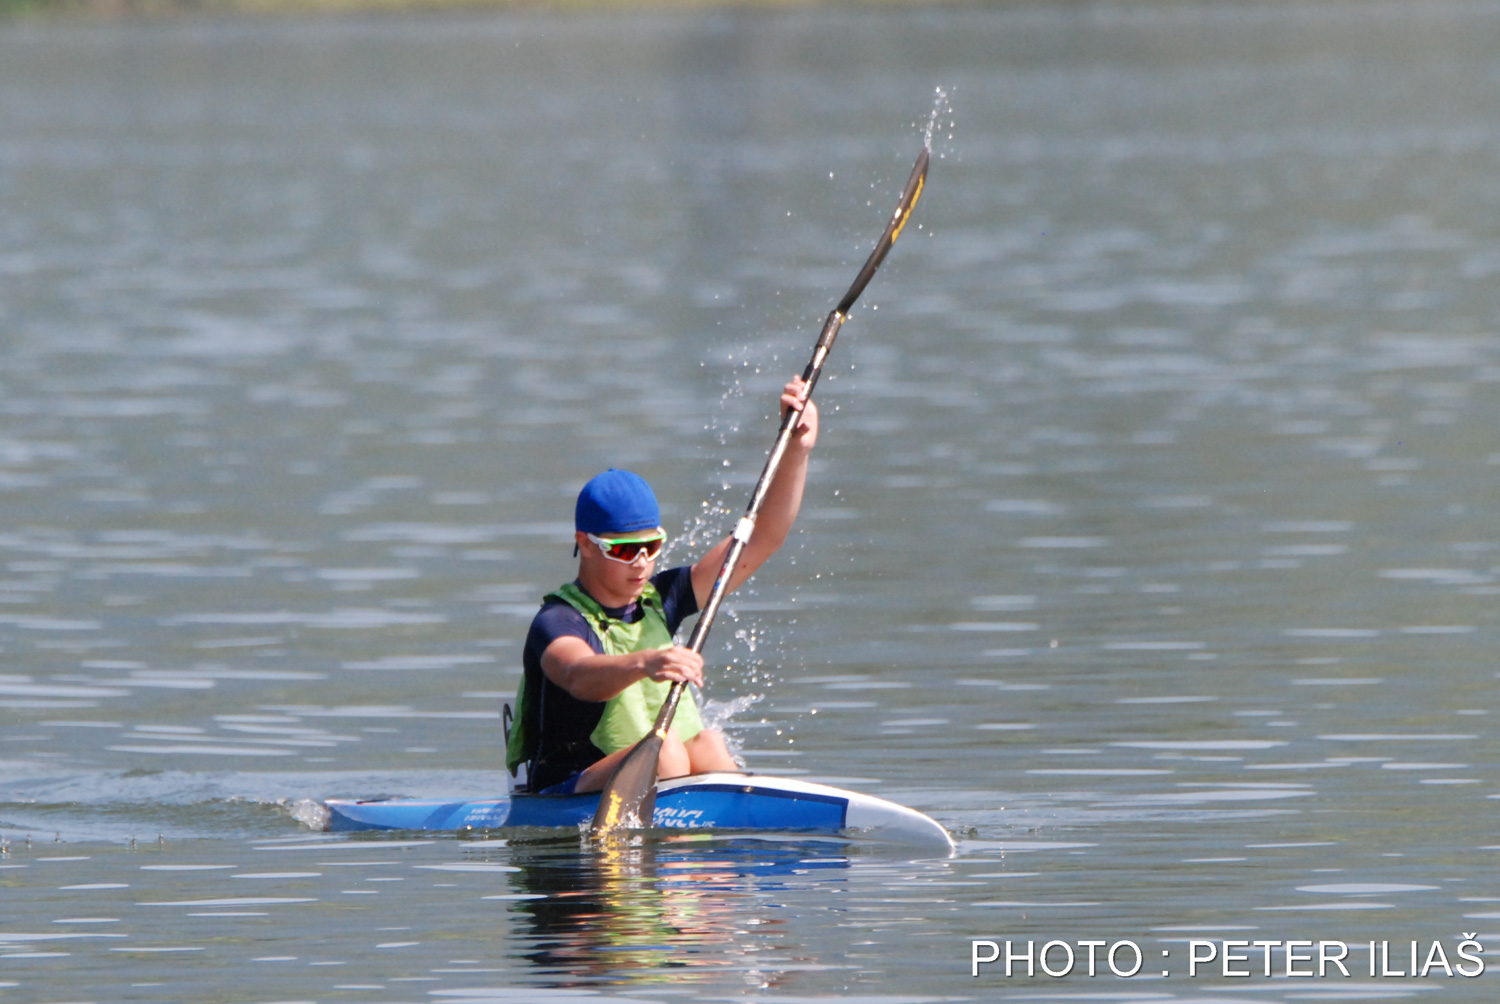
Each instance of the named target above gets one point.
<point>629,799</point>
<point>909,196</point>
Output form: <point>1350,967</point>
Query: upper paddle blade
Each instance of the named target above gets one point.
<point>909,196</point>
<point>629,799</point>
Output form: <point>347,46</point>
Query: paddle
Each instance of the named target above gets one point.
<point>630,795</point>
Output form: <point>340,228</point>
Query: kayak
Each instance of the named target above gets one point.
<point>726,801</point>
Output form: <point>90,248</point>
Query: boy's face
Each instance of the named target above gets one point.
<point>600,560</point>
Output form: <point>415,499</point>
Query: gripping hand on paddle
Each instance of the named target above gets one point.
<point>793,396</point>
<point>670,665</point>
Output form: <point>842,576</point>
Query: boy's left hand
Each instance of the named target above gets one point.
<point>794,395</point>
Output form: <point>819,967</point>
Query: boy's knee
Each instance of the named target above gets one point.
<point>709,752</point>
<point>673,760</point>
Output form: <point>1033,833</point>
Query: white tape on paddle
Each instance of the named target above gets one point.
<point>743,529</point>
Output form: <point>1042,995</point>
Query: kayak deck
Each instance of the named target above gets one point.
<point>721,800</point>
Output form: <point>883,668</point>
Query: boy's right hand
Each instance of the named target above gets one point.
<point>669,665</point>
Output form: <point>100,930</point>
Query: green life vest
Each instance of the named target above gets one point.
<point>629,715</point>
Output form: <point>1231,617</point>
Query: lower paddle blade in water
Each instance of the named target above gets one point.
<point>630,795</point>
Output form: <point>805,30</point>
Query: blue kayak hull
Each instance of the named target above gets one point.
<point>703,801</point>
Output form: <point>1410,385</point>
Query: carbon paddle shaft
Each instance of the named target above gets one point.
<point>630,795</point>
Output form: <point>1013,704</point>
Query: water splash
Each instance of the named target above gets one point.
<point>749,637</point>
<point>730,668</point>
<point>718,714</point>
<point>312,814</point>
<point>942,108</point>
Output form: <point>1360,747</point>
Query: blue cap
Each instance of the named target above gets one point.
<point>616,502</point>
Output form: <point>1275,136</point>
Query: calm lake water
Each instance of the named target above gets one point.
<point>1152,545</point>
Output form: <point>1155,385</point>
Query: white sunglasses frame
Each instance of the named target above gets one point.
<point>604,545</point>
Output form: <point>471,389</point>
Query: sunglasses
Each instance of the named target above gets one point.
<point>631,548</point>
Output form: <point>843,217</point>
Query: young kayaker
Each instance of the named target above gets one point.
<point>599,658</point>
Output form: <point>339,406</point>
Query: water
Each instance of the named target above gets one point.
<point>1150,546</point>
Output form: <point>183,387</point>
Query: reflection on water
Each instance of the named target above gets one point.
<point>665,910</point>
